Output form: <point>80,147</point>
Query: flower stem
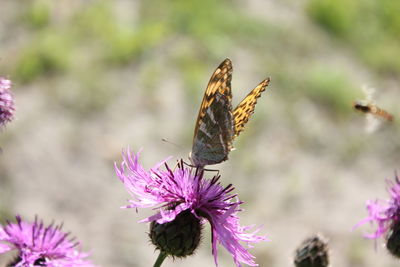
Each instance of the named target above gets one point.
<point>160,259</point>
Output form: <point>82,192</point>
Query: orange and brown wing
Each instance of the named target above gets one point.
<point>220,82</point>
<point>213,132</point>
<point>243,111</point>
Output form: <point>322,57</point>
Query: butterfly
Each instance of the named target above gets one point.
<point>217,124</point>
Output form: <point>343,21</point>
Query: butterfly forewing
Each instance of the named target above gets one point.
<point>214,126</point>
<point>245,109</point>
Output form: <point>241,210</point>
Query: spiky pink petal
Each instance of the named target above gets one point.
<point>185,188</point>
<point>35,241</point>
<point>7,106</point>
<point>383,213</point>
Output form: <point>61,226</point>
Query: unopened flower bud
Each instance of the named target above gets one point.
<point>313,252</point>
<point>393,240</point>
<point>179,237</point>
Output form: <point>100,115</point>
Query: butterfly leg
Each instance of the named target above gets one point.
<point>200,168</point>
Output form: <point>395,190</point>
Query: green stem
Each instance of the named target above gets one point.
<point>160,259</point>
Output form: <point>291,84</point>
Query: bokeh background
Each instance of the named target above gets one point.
<point>93,77</point>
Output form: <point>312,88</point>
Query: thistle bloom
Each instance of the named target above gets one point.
<point>384,213</point>
<point>184,191</point>
<point>40,245</point>
<point>6,102</point>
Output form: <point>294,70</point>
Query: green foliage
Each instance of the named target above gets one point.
<point>389,17</point>
<point>337,16</point>
<point>210,26</point>
<point>119,43</point>
<point>126,44</point>
<point>47,54</point>
<point>94,21</point>
<point>211,23</point>
<point>207,19</point>
<point>384,56</point>
<point>372,28</point>
<point>37,14</point>
<point>331,88</point>
<point>192,70</point>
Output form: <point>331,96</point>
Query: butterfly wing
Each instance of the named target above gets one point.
<point>243,111</point>
<point>213,132</point>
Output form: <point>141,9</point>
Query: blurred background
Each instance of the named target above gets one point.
<point>93,77</point>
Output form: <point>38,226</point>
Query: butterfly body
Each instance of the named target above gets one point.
<point>218,124</point>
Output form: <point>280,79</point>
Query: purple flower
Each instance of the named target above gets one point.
<point>385,214</point>
<point>7,107</point>
<point>42,245</point>
<point>185,190</point>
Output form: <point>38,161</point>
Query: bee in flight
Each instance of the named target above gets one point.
<point>368,105</point>
<point>372,111</point>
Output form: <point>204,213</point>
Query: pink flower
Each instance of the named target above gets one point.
<point>7,106</point>
<point>40,245</point>
<point>384,213</point>
<point>185,189</point>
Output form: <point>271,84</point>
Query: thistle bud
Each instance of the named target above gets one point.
<point>393,239</point>
<point>179,237</point>
<point>17,260</point>
<point>313,252</point>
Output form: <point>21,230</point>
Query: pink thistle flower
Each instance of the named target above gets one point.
<point>384,213</point>
<point>182,191</point>
<point>40,245</point>
<point>7,106</point>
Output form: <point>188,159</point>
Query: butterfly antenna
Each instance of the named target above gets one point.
<point>169,142</point>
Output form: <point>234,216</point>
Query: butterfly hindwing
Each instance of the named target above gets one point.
<point>246,107</point>
<point>214,126</point>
